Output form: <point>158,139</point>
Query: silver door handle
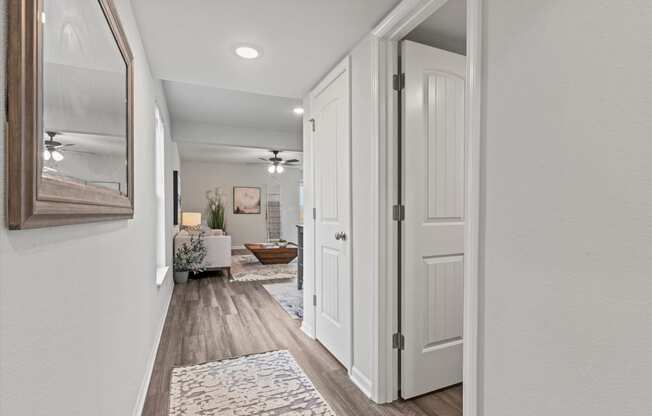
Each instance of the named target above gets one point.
<point>340,236</point>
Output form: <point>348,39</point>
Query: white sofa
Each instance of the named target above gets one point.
<point>218,247</point>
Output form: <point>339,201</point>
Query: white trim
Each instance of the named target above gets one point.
<point>161,274</point>
<point>309,316</point>
<point>362,382</point>
<point>308,329</point>
<point>473,129</point>
<point>405,17</point>
<point>378,213</point>
<point>144,385</point>
<point>389,366</point>
<point>332,75</point>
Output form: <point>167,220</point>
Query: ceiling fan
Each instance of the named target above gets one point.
<point>277,163</point>
<point>53,149</point>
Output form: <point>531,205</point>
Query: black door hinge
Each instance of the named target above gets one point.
<point>312,121</point>
<point>398,341</point>
<point>314,300</point>
<point>399,82</point>
<point>398,212</point>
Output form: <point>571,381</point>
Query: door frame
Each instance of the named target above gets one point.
<point>385,38</point>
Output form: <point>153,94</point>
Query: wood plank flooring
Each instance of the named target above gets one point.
<point>211,319</point>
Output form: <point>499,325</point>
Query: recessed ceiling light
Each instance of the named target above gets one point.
<point>298,110</point>
<point>247,52</point>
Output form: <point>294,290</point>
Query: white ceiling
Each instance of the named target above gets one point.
<point>78,35</point>
<point>195,103</point>
<point>192,41</point>
<point>230,154</point>
<point>445,29</point>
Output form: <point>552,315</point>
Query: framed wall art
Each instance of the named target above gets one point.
<point>246,200</point>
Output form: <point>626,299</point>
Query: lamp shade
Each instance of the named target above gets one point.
<point>191,219</point>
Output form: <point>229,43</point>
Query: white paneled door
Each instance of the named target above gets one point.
<point>330,110</point>
<point>433,229</point>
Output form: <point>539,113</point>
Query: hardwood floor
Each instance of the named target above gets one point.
<point>210,319</point>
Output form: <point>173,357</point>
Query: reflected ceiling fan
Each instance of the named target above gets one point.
<point>53,149</point>
<point>276,163</point>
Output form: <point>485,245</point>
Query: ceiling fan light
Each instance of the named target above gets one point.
<point>57,156</point>
<point>271,169</point>
<point>46,155</point>
<point>247,52</point>
<point>279,169</point>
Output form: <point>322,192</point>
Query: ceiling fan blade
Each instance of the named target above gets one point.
<point>292,161</point>
<point>82,152</point>
<point>262,158</point>
<point>67,145</point>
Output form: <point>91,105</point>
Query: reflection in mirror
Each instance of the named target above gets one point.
<point>84,97</point>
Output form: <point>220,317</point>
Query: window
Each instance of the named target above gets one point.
<point>301,201</point>
<point>161,261</point>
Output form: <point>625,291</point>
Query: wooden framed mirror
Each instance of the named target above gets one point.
<point>70,112</point>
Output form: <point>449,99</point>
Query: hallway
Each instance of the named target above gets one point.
<point>211,319</point>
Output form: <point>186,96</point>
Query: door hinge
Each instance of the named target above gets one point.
<point>398,212</point>
<point>314,213</point>
<point>312,121</point>
<point>399,82</point>
<point>398,341</point>
<point>314,300</point>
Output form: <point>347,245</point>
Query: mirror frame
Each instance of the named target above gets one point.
<point>32,200</point>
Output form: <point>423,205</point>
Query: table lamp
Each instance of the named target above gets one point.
<point>191,219</point>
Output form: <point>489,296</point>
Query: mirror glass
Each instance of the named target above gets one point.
<point>84,97</point>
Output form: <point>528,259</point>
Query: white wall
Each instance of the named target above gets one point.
<point>80,311</point>
<point>363,219</point>
<point>199,177</point>
<point>566,293</point>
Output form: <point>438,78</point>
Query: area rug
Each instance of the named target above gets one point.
<point>268,384</point>
<point>288,296</point>
<point>247,268</point>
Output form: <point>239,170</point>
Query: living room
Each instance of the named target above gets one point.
<point>237,194</point>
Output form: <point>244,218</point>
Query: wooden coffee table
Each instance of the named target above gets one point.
<point>269,254</point>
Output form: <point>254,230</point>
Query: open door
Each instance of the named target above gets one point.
<point>433,227</point>
<point>330,109</point>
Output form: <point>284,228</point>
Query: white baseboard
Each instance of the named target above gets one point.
<point>144,386</point>
<point>361,381</point>
<point>307,329</point>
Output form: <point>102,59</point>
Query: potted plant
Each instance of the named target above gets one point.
<point>216,209</point>
<point>189,258</point>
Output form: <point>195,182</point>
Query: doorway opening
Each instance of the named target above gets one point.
<point>432,186</point>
